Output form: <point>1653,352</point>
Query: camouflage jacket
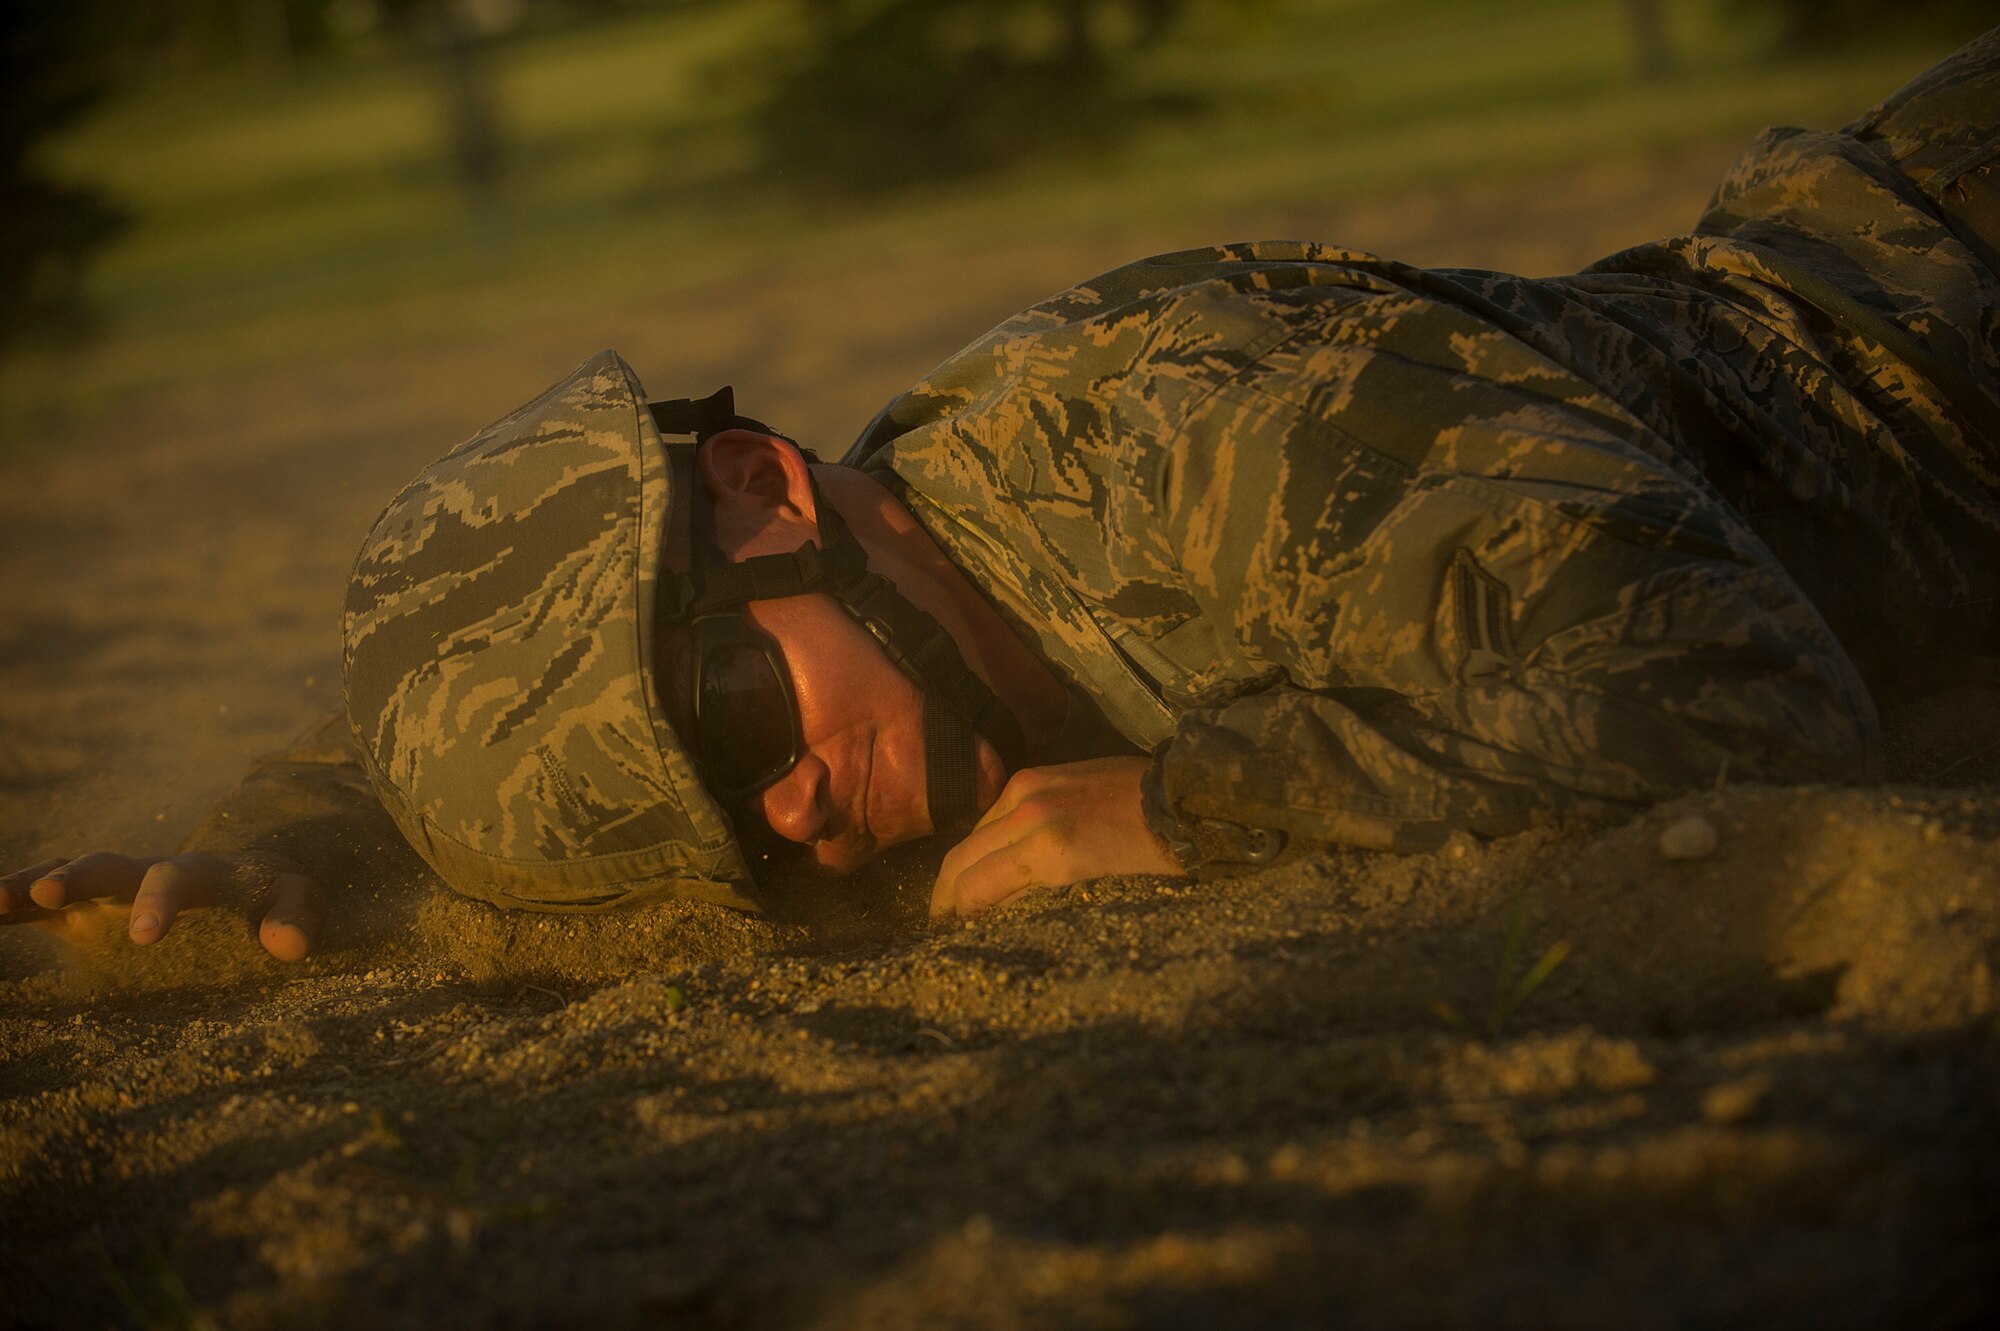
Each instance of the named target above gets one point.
<point>1373,553</point>
<point>1370,553</point>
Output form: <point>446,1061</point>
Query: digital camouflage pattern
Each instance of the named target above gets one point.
<point>499,672</point>
<point>1374,553</point>
<point>1379,553</point>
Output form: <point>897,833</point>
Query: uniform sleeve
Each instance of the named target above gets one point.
<point>1426,650</point>
<point>307,807</point>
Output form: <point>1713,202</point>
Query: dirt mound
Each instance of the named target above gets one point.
<point>1733,1059</point>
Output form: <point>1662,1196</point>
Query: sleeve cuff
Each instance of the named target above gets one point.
<point>1160,819</point>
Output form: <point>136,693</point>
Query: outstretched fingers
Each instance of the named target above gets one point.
<point>14,887</point>
<point>285,914</point>
<point>290,920</point>
<point>170,887</point>
<point>88,877</point>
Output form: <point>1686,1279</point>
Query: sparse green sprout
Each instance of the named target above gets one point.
<point>1451,1017</point>
<point>1509,991</point>
<point>676,998</point>
<point>1544,966</point>
<point>169,1306</point>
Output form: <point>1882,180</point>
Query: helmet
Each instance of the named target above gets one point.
<point>499,635</point>
<point>498,663</point>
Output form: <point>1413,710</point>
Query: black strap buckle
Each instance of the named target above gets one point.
<point>700,417</point>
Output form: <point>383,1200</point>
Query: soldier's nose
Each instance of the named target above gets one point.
<point>797,808</point>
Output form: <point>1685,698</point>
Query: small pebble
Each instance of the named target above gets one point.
<point>1689,838</point>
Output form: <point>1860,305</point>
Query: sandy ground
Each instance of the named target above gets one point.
<point>1759,1086</point>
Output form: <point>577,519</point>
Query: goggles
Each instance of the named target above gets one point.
<point>747,733</point>
<point>745,711</point>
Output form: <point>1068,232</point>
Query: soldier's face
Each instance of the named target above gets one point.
<point>860,786</point>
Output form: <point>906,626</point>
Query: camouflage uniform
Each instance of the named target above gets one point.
<point>1377,553</point>
<point>1370,553</point>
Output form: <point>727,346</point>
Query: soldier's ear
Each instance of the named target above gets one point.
<point>751,474</point>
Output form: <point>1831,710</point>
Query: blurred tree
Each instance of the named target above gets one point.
<point>54,65</point>
<point>1810,24</point>
<point>1653,54</point>
<point>267,36</point>
<point>455,35</point>
<point>880,93</point>
<point>460,32</point>
<point>270,35</point>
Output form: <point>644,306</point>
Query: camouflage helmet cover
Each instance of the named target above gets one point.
<point>498,658</point>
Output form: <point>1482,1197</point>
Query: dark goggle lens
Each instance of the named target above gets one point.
<point>744,712</point>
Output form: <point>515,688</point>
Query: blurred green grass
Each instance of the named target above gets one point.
<point>317,217</point>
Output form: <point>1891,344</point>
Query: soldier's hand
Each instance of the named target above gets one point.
<point>1050,827</point>
<point>279,902</point>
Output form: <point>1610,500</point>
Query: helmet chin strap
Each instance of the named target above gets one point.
<point>951,768</point>
<point>958,706</point>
